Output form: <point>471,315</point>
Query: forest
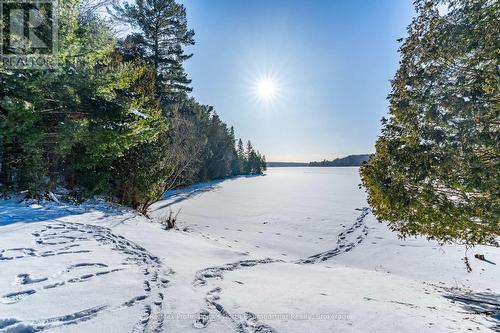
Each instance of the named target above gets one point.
<point>348,161</point>
<point>115,117</point>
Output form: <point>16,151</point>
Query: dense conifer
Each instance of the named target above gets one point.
<point>436,169</point>
<point>114,118</point>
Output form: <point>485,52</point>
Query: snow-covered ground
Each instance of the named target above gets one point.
<point>293,251</point>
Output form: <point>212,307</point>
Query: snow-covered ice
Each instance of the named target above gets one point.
<point>296,250</point>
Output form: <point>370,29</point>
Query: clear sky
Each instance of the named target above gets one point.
<point>329,60</point>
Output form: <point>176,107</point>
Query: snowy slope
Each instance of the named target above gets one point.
<point>293,251</point>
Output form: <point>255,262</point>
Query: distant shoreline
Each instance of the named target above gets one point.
<point>309,166</point>
<point>348,161</point>
<point>286,164</point>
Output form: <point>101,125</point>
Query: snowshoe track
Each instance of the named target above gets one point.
<point>248,323</point>
<point>60,238</point>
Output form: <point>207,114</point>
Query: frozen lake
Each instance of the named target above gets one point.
<point>294,251</point>
<point>292,211</point>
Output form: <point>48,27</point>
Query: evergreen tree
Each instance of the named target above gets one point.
<point>235,161</point>
<point>113,119</point>
<point>436,167</point>
<point>80,115</point>
<point>22,165</point>
<point>248,158</point>
<point>163,36</point>
<point>263,163</point>
<point>249,148</point>
<point>241,157</point>
<point>241,150</point>
<point>116,111</point>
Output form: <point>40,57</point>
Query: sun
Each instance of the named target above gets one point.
<point>266,89</point>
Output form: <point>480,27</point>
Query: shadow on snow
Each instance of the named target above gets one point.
<point>479,303</point>
<point>176,196</point>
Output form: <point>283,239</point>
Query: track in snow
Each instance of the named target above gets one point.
<point>346,240</point>
<point>64,238</point>
<point>249,323</point>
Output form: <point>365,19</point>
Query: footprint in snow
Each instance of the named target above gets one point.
<point>16,296</point>
<point>25,278</point>
<point>202,320</point>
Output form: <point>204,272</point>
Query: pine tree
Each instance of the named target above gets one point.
<point>163,35</point>
<point>113,118</point>
<point>263,163</point>
<point>241,150</point>
<point>235,161</point>
<point>249,148</point>
<point>247,166</point>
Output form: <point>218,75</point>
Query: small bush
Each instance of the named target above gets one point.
<point>170,221</point>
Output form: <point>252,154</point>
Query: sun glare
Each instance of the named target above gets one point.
<point>266,89</point>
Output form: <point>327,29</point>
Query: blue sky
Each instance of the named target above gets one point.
<point>331,61</point>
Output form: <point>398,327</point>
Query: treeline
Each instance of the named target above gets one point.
<point>348,161</point>
<point>115,118</point>
<point>286,164</point>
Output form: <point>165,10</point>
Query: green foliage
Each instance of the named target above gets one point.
<point>436,167</point>
<point>254,162</point>
<point>142,174</point>
<point>113,122</point>
<point>163,34</point>
<point>21,146</point>
<point>114,118</point>
<point>217,161</point>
